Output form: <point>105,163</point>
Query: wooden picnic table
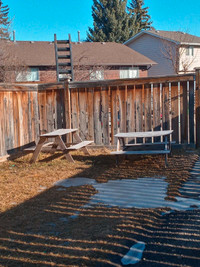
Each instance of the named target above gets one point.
<point>164,147</point>
<point>59,144</point>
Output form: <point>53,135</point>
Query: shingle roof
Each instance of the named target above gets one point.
<point>174,36</point>
<point>107,53</point>
<point>41,53</point>
<point>177,36</point>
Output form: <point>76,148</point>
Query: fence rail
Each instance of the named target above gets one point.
<point>100,109</point>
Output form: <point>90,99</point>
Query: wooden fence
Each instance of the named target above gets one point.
<point>100,109</point>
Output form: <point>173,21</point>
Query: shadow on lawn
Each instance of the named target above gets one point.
<point>56,229</point>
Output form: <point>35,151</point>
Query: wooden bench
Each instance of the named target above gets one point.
<point>58,144</point>
<point>126,146</point>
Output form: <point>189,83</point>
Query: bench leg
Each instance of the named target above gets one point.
<point>60,142</point>
<point>166,163</point>
<point>117,160</point>
<point>38,149</point>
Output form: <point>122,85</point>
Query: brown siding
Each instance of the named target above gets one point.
<point>143,73</point>
<point>47,75</point>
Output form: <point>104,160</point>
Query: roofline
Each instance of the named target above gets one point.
<point>186,43</point>
<point>150,33</point>
<point>118,64</point>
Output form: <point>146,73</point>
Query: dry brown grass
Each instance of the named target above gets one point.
<point>35,223</point>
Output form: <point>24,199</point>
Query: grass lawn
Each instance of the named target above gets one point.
<point>35,223</point>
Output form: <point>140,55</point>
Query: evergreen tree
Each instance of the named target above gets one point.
<point>111,21</point>
<point>139,17</point>
<point>4,22</point>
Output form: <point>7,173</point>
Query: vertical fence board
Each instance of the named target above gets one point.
<point>114,113</point>
<point>122,109</point>
<point>184,132</point>
<point>174,100</point>
<point>166,107</point>
<point>156,108</point>
<point>139,109</point>
<point>105,116</point>
<point>90,104</point>
<point>97,117</point>
<point>191,111</point>
<point>75,108</point>
<point>83,129</point>
<point>147,104</point>
<point>130,110</point>
<point>42,112</point>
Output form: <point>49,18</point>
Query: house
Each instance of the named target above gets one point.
<point>108,60</point>
<point>91,61</point>
<point>174,51</point>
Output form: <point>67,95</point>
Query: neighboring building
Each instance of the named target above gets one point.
<point>175,52</point>
<point>108,60</point>
<point>91,61</point>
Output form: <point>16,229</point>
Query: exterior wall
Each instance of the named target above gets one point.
<point>191,61</point>
<point>153,48</point>
<point>109,74</point>
<point>47,75</point>
<point>143,73</point>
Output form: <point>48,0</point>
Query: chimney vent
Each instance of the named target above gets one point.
<point>79,39</point>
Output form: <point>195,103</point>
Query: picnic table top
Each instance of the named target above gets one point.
<point>143,134</point>
<point>59,132</point>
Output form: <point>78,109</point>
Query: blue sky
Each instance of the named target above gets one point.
<point>40,19</point>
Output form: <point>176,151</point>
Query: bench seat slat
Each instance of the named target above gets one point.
<point>79,145</point>
<point>150,144</point>
<point>146,152</point>
<point>32,148</point>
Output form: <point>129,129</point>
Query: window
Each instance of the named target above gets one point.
<point>97,75</point>
<point>129,72</point>
<point>30,75</point>
<point>189,51</point>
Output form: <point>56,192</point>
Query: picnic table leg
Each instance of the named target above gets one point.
<point>118,144</point>
<point>60,142</point>
<point>166,156</point>
<point>77,137</point>
<point>166,163</point>
<point>38,149</point>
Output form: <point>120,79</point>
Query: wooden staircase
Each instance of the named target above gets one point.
<point>63,55</point>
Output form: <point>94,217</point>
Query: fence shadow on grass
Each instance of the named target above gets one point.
<point>55,228</point>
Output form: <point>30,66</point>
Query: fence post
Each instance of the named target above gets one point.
<point>197,105</point>
<point>67,103</point>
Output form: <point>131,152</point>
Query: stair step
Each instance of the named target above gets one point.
<point>63,56</point>
<point>64,64</point>
<point>62,41</point>
<point>64,71</point>
<point>60,49</point>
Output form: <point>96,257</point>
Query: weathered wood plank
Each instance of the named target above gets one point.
<point>139,109</point>
<point>144,134</point>
<point>146,152</point>
<point>83,127</point>
<point>130,110</point>
<point>97,117</point>
<point>174,100</point>
<point>114,113</point>
<point>79,145</point>
<point>90,109</point>
<point>105,115</point>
